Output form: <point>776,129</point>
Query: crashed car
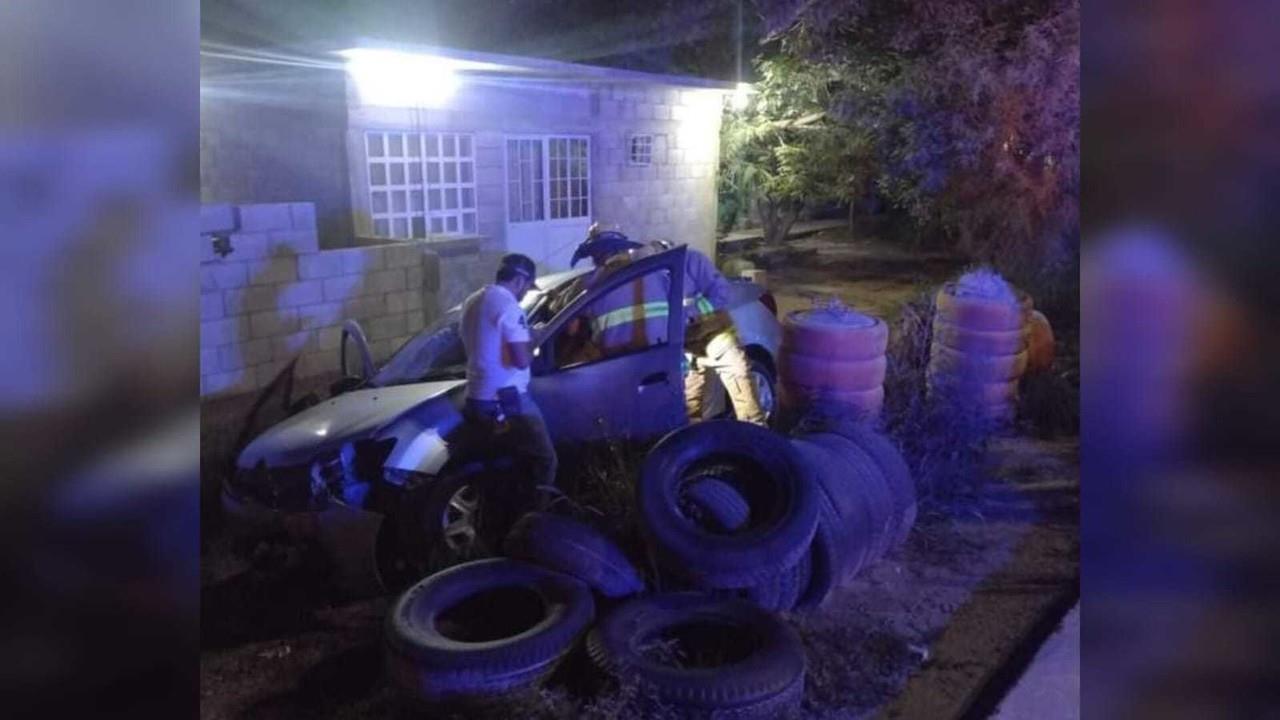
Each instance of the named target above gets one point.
<point>375,471</point>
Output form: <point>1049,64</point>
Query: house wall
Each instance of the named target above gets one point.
<point>278,296</point>
<point>273,134</point>
<point>673,198</point>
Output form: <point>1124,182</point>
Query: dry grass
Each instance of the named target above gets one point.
<point>943,441</point>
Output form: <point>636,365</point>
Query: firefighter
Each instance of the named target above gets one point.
<point>711,338</point>
<point>633,316</point>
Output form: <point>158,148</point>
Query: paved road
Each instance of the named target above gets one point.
<point>1050,687</point>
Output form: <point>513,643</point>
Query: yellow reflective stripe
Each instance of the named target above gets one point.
<point>701,303</point>
<point>631,313</point>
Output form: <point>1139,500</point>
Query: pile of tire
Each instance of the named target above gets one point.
<point>866,502</point>
<point>482,634</point>
<point>978,351</point>
<point>729,508</point>
<point>833,357</point>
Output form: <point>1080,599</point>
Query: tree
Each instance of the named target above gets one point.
<point>786,150</point>
<point>971,106</point>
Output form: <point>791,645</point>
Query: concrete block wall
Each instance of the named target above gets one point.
<point>277,297</point>
<point>674,197</point>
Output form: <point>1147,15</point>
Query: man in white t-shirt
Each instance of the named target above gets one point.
<point>495,333</point>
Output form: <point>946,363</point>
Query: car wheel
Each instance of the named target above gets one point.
<point>454,518</point>
<point>766,391</point>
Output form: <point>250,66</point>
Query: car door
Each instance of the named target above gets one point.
<point>634,395</point>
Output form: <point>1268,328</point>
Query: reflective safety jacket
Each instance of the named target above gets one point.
<point>705,289</point>
<point>632,316</point>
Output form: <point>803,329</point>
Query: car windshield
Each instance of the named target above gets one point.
<point>437,353</point>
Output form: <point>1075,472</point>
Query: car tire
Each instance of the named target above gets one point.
<point>719,504</point>
<point>575,549</point>
<point>437,659</point>
<point>761,673</point>
<point>842,543</point>
<point>769,475</point>
<point>431,508</point>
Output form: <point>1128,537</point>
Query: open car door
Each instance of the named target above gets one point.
<point>635,395</point>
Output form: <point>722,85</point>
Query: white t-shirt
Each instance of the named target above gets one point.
<point>491,317</point>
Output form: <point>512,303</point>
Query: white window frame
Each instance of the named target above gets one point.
<point>418,206</point>
<point>578,205</point>
<point>640,150</point>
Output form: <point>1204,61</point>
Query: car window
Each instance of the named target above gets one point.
<point>438,353</point>
<point>624,320</point>
<point>434,352</point>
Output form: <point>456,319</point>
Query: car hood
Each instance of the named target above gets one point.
<point>350,416</point>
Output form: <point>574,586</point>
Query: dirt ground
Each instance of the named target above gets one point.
<point>919,635</point>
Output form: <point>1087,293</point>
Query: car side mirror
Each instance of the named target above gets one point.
<point>352,331</point>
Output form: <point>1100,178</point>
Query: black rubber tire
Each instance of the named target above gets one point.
<point>842,545</point>
<point>433,668</point>
<point>766,683</point>
<point>719,503</point>
<point>575,549</point>
<point>851,472</point>
<point>771,477</point>
<point>795,582</point>
<point>897,475</point>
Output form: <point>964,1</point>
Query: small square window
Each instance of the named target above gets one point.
<point>640,149</point>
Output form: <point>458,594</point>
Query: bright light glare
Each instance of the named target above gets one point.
<point>390,78</point>
<point>742,96</point>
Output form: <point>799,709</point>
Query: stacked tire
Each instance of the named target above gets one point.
<point>832,357</point>
<point>867,503</point>
<point>979,348</point>
<point>729,508</point>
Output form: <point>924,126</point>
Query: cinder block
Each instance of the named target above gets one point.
<point>402,256</point>
<point>273,270</point>
<point>265,217</point>
<point>322,264</point>
<point>385,281</point>
<point>324,314</point>
<point>329,338</point>
<point>250,299</point>
<point>247,246</point>
<point>292,242</point>
<point>303,215</point>
<point>680,112</point>
<point>661,112</point>
<point>223,275</point>
<point>244,354</point>
<point>387,327</point>
<point>273,322</point>
<point>358,261</point>
<point>223,332</point>
<point>211,306</point>
<point>286,346</point>
<point>266,372</point>
<point>343,287</point>
<point>366,308</point>
<point>208,361</point>
<point>296,294</point>
<point>227,383</point>
<point>317,363</point>
<point>217,218</point>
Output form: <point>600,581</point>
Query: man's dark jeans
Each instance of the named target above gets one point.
<point>525,440</point>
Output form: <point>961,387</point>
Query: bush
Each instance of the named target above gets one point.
<point>943,441</point>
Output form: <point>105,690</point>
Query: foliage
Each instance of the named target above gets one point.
<point>972,108</point>
<point>785,149</point>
